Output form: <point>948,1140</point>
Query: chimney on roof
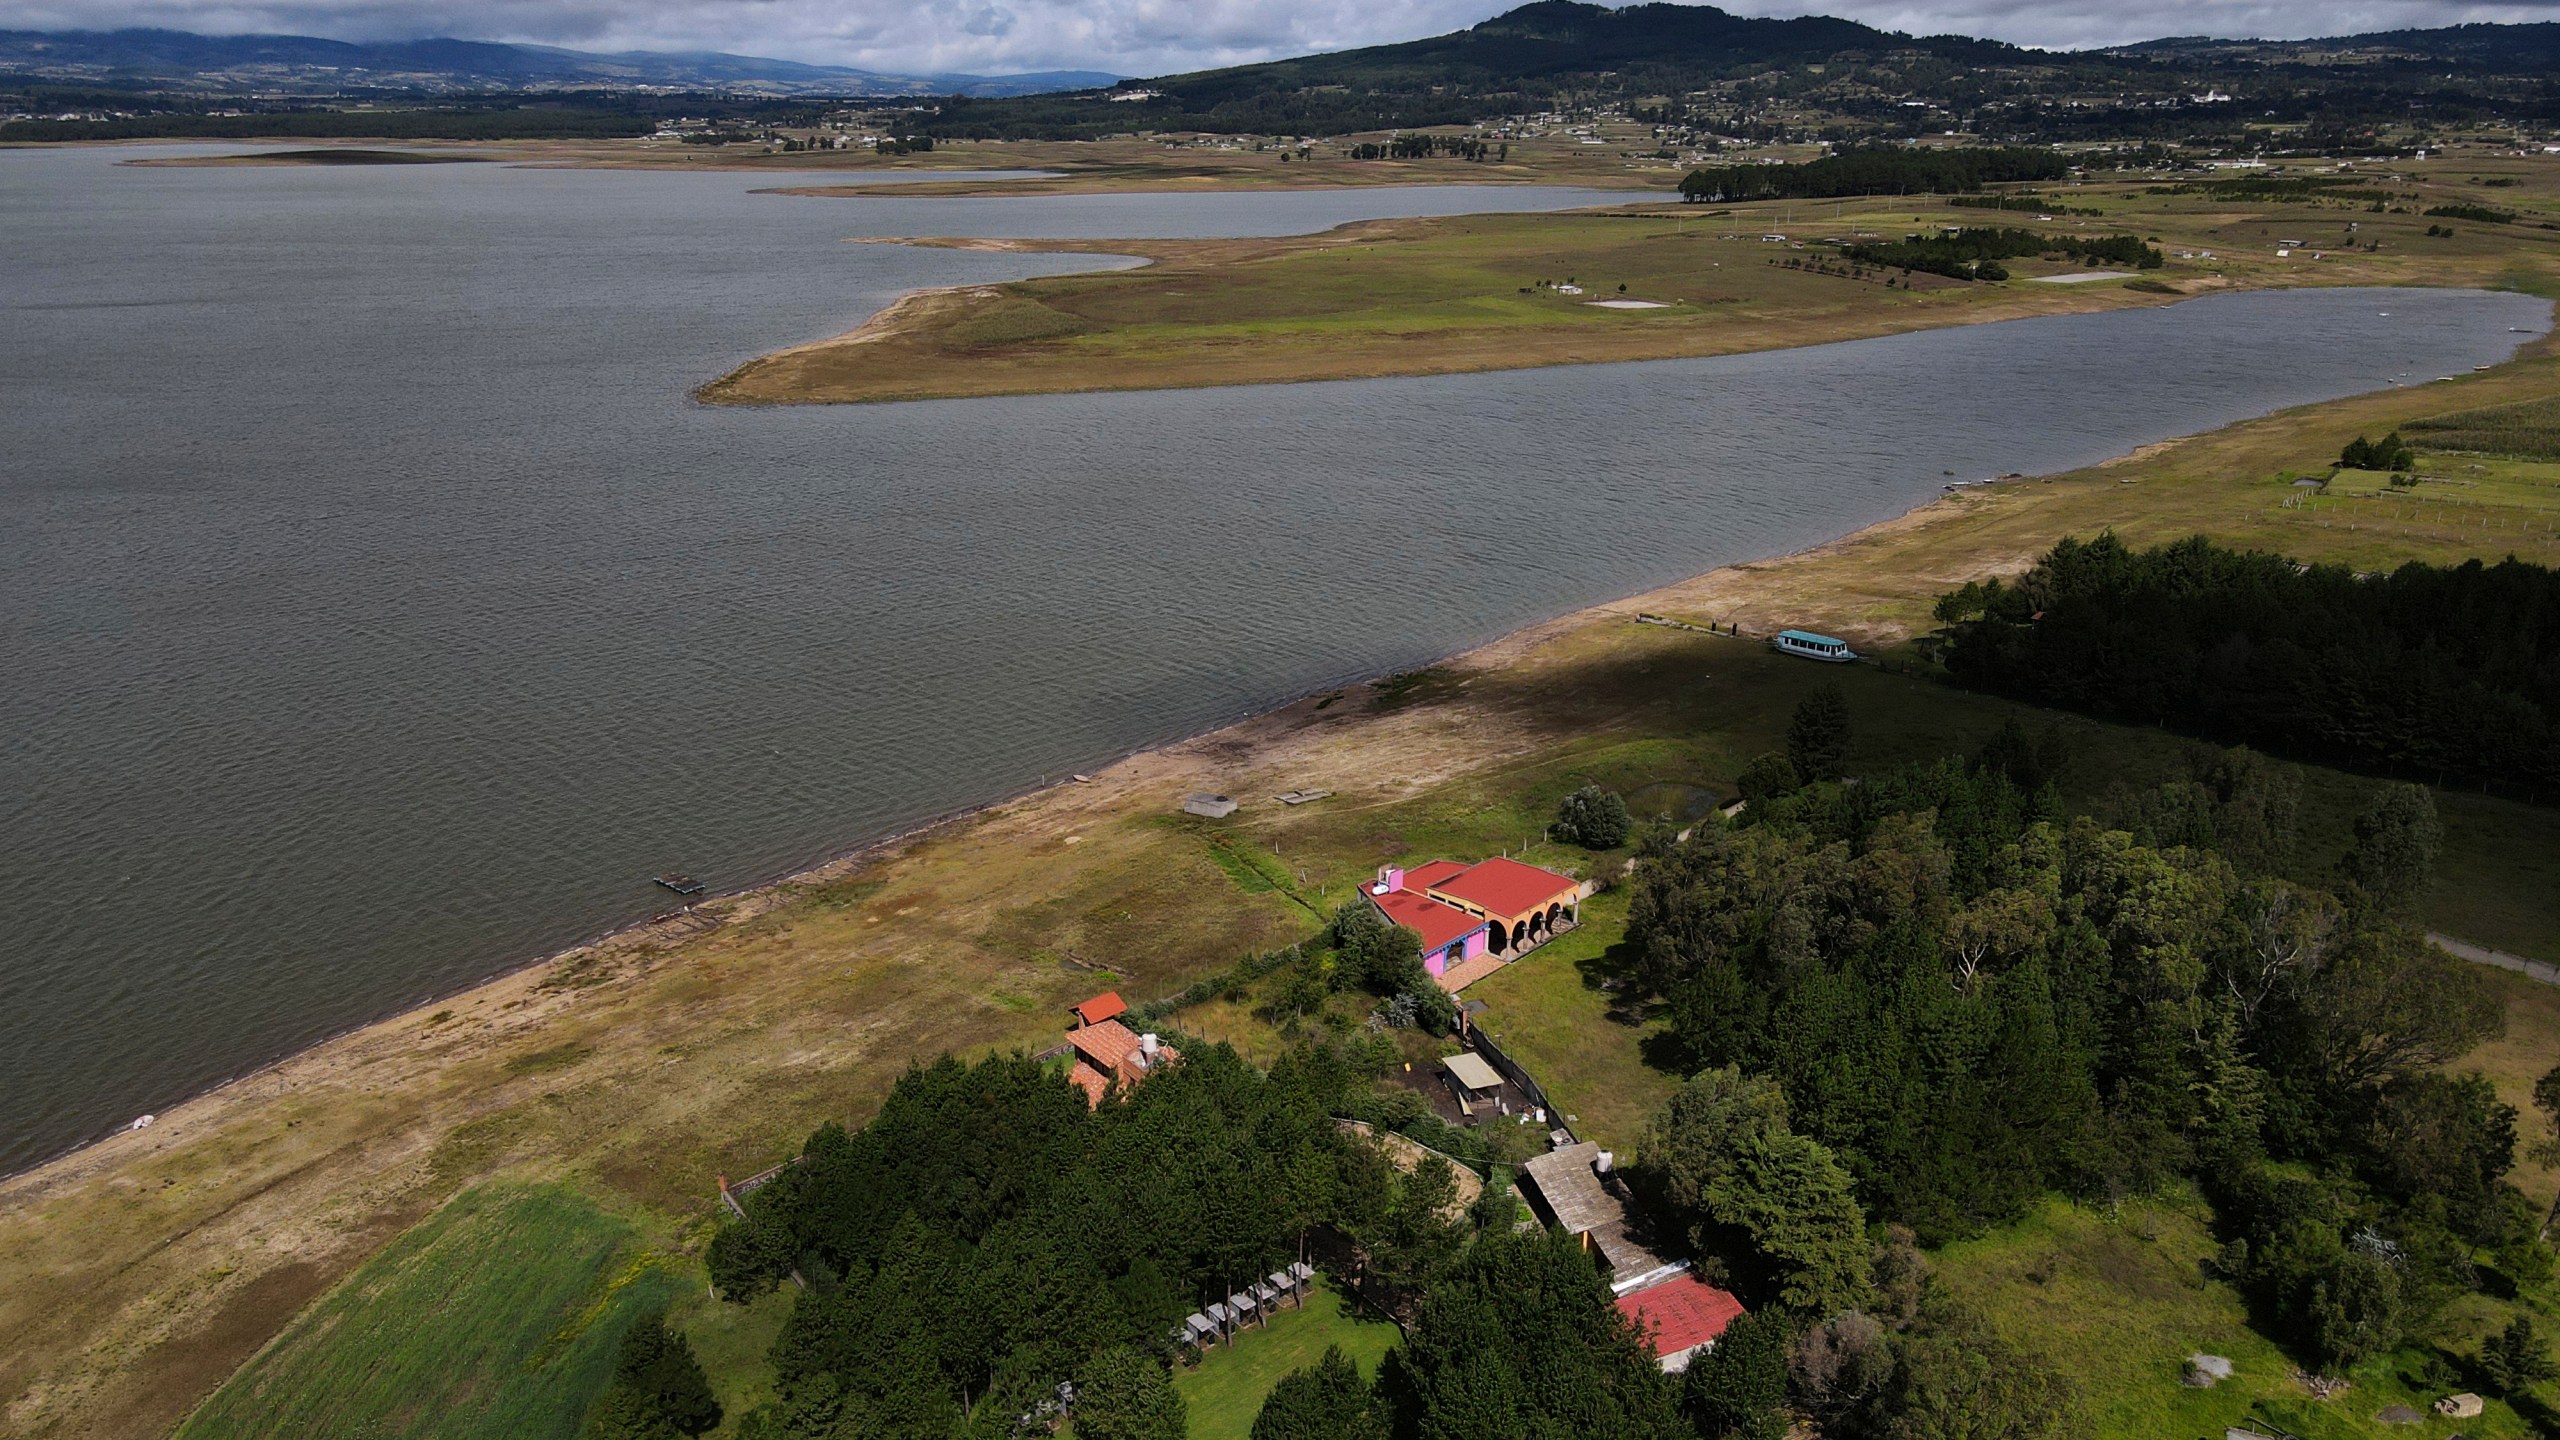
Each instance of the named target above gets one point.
<point>1390,879</point>
<point>1148,1045</point>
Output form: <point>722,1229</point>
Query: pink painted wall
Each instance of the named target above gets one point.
<point>1478,943</point>
<point>1434,964</point>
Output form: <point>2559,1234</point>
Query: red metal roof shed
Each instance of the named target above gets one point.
<point>1680,1314</point>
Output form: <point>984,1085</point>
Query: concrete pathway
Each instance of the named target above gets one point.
<point>2482,954</point>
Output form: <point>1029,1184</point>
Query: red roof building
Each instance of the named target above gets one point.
<point>1108,1051</point>
<point>1474,918</point>
<point>1440,926</point>
<point>1106,1006</point>
<point>1507,890</point>
<point>1421,878</point>
<point>1680,1317</point>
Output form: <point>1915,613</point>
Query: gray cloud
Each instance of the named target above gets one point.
<point>1142,37</point>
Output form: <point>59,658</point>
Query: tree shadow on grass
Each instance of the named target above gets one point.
<point>1612,973</point>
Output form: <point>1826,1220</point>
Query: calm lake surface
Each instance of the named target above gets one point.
<point>377,611</point>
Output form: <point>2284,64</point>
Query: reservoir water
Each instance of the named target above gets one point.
<point>376,610</point>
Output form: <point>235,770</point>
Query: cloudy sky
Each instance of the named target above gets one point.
<point>1151,37</point>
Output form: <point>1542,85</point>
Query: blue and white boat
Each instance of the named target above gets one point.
<point>1814,647</point>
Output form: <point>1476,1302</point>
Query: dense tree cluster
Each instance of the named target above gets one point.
<point>1947,999</point>
<point>1423,147</point>
<point>1520,1339</point>
<point>2388,453</point>
<point>2028,201</point>
<point>1975,252</point>
<point>2451,674</point>
<point>987,1239</point>
<point>1906,1361</point>
<point>1893,170</point>
<point>2481,213</point>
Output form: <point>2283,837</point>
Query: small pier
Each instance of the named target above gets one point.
<point>681,884</point>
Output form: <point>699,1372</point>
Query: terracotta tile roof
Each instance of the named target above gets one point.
<point>1111,1051</point>
<point>1439,925</point>
<point>1102,1007</point>
<point>1508,888</point>
<point>1105,1045</point>
<point>1093,1082</point>
<point>1681,1313</point>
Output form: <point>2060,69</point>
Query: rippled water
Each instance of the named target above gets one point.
<point>375,609</point>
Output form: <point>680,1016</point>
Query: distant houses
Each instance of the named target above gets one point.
<point>1474,918</point>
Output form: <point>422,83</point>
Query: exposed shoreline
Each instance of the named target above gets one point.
<point>746,901</point>
<point>756,897</point>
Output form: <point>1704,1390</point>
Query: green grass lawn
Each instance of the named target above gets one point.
<point>497,1317</point>
<point>1551,1015</point>
<point>734,1343</point>
<point>2117,1304</point>
<point>1225,1389</point>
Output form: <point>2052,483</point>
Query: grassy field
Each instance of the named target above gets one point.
<point>140,1275</point>
<point>1482,292</point>
<point>1550,1013</point>
<point>2117,1302</point>
<point>1225,1389</point>
<point>496,1317</point>
<point>732,1342</point>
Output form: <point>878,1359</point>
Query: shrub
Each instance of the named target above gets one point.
<point>1594,819</point>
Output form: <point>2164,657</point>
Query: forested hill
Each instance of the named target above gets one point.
<point>1558,45</point>
<point>1833,79</point>
<point>2495,49</point>
<point>1542,54</point>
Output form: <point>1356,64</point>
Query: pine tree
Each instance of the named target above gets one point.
<point>1126,1396</point>
<point>1327,1401</point>
<point>2515,1357</point>
<point>1739,1388</point>
<point>2394,857</point>
<point>658,1387</point>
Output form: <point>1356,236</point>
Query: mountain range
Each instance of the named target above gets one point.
<point>1813,77</point>
<point>161,60</point>
<point>1681,60</point>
